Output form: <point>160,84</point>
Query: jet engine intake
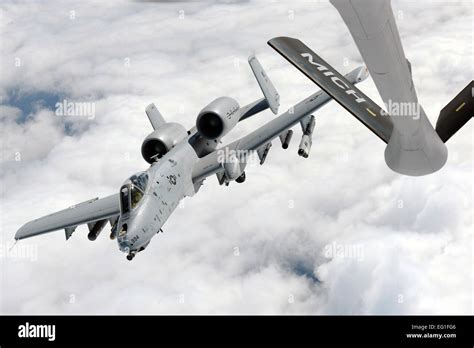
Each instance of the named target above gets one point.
<point>163,139</point>
<point>218,118</point>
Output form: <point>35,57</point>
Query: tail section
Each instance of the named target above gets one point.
<point>456,113</point>
<point>155,117</point>
<point>271,95</point>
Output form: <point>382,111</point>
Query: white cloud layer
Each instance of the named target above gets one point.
<point>338,233</point>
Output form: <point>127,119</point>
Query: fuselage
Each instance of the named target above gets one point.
<point>168,181</point>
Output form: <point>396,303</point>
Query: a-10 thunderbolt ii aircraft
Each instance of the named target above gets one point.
<point>180,160</point>
<point>179,163</point>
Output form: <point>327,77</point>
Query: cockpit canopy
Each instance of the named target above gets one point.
<point>140,180</point>
<point>132,191</point>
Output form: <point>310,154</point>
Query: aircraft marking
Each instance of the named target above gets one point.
<point>460,106</point>
<point>371,112</point>
<point>336,80</point>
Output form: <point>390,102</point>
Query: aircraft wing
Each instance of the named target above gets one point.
<point>456,113</point>
<point>260,139</point>
<point>336,85</point>
<point>94,212</point>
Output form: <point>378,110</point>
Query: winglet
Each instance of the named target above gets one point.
<point>268,90</point>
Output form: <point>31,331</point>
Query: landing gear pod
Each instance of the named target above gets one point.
<point>241,178</point>
<point>114,228</point>
<point>95,229</point>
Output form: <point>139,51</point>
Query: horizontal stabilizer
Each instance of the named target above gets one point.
<point>336,85</point>
<point>268,90</point>
<point>456,113</point>
<point>253,108</point>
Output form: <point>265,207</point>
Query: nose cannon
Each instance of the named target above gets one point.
<point>124,243</point>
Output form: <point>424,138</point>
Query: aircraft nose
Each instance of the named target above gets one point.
<point>124,246</point>
<point>122,238</point>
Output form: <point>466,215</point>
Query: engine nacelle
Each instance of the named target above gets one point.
<point>162,140</point>
<point>218,118</point>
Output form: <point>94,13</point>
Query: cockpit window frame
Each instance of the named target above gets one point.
<point>125,209</point>
<point>140,181</point>
<point>136,186</point>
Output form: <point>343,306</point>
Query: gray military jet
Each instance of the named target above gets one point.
<point>181,160</point>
